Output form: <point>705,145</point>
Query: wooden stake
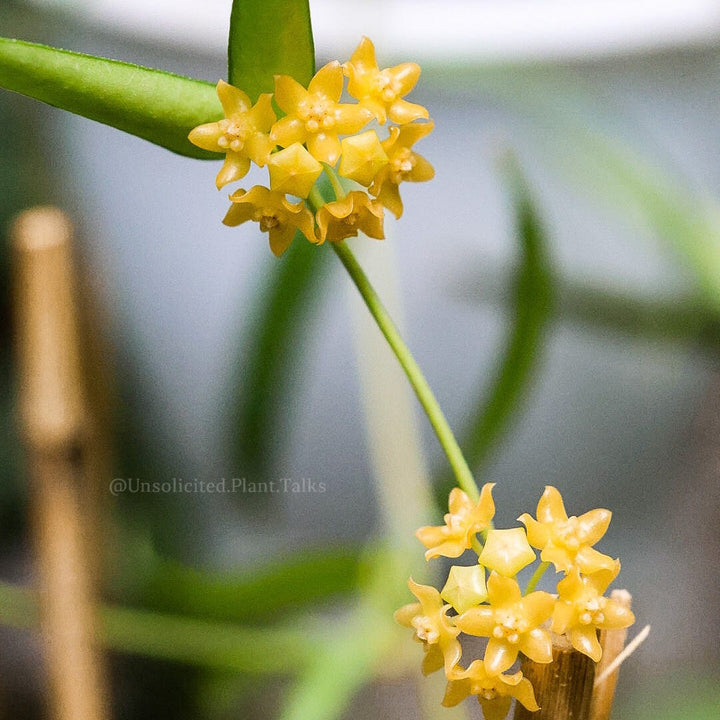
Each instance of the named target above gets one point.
<point>55,425</point>
<point>563,688</point>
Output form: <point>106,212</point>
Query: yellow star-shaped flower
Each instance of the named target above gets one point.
<point>432,626</point>
<point>381,91</point>
<point>494,692</point>
<point>462,523</point>
<point>242,135</point>
<point>581,610</point>
<point>506,551</point>
<point>354,213</point>
<point>276,215</point>
<point>314,116</point>
<point>512,624</point>
<point>403,165</point>
<point>293,170</point>
<point>465,587</point>
<point>362,157</point>
<point>567,541</point>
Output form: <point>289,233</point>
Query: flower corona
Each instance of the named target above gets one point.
<point>319,135</point>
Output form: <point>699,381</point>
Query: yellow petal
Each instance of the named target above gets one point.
<point>232,99</point>
<point>258,147</point>
<point>455,692</point>
<point>550,507</point>
<point>324,147</point>
<point>406,76</point>
<point>350,118</point>
<point>538,535</point>
<point>478,621</point>
<point>403,112</point>
<point>262,115</point>
<point>433,659</point>
<point>389,196</point>
<point>499,656</point>
<point>280,238</point>
<point>364,55</point>
<point>328,81</point>
<point>289,93</point>
<point>537,607</point>
<point>495,709</point>
<point>502,590</point>
<point>288,130</point>
<point>206,136</point>
<point>422,170</point>
<point>537,645</point>
<point>406,613</point>
<point>238,213</point>
<point>236,166</point>
<point>584,640</point>
<point>525,695</point>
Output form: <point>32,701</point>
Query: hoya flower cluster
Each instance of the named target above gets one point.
<point>319,132</point>
<point>485,600</point>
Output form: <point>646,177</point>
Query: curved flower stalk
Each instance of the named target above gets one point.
<point>514,622</point>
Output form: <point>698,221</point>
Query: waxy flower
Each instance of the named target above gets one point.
<point>465,587</point>
<point>277,216</point>
<point>432,626</point>
<point>354,213</point>
<point>403,165</point>
<point>494,692</point>
<point>381,91</point>
<point>512,624</point>
<point>506,551</point>
<point>314,116</point>
<point>462,523</point>
<point>293,170</point>
<point>242,135</point>
<point>362,157</point>
<point>581,610</point>
<point>567,541</point>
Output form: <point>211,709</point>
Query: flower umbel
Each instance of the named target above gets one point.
<point>242,135</point>
<point>567,541</point>
<point>276,215</point>
<point>462,523</point>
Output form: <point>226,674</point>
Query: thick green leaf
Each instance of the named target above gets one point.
<point>154,105</point>
<point>267,38</point>
<point>532,307</point>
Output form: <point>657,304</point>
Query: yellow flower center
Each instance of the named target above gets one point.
<point>592,611</point>
<point>317,113</point>
<point>387,86</point>
<point>267,218</point>
<point>401,164</point>
<point>426,629</point>
<point>235,132</point>
<point>351,219</point>
<point>509,626</point>
<point>488,694</point>
<point>571,534</point>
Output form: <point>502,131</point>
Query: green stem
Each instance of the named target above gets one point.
<point>533,581</point>
<point>419,384</point>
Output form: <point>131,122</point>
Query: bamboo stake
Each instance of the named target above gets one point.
<point>563,688</point>
<point>54,419</point>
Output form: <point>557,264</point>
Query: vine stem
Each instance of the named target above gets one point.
<point>414,374</point>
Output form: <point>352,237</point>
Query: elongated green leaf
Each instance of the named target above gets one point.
<point>290,584</point>
<point>269,37</point>
<point>533,298</point>
<point>218,646</point>
<point>154,105</point>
